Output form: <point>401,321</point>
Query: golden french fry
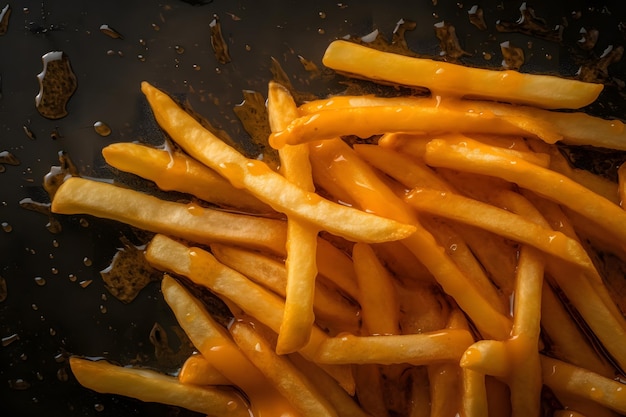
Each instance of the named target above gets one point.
<point>267,185</point>
<point>329,305</point>
<point>282,374</point>
<point>198,371</point>
<point>216,346</point>
<point>447,79</point>
<point>361,183</point>
<point>174,171</point>
<point>621,175</point>
<point>415,349</point>
<point>380,309</point>
<point>499,221</point>
<point>420,394</point>
<point>473,157</point>
<point>444,387</point>
<point>151,386</point>
<point>369,389</point>
<point>563,377</point>
<point>187,221</point>
<point>474,401</point>
<point>301,237</point>
<point>203,269</point>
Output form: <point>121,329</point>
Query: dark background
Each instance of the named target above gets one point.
<point>61,318</point>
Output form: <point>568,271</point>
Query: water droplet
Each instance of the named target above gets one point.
<point>321,31</point>
<point>248,48</point>
<point>322,15</point>
<point>85,283</point>
<point>109,31</point>
<point>6,227</point>
<point>34,306</point>
<point>55,243</point>
<point>52,332</point>
<point>54,270</point>
<point>103,309</point>
<point>142,42</point>
<point>6,341</point>
<point>98,407</point>
<point>155,27</point>
<point>102,128</point>
<point>548,57</point>
<point>72,277</point>
<point>87,261</point>
<point>40,281</point>
<point>141,58</point>
<point>179,49</point>
<point>218,70</point>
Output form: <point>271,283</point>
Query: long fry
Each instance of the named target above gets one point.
<point>198,370</point>
<point>187,221</point>
<point>448,79</point>
<point>301,236</point>
<point>151,386</point>
<point>267,185</point>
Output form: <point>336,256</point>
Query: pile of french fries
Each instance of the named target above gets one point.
<point>439,267</point>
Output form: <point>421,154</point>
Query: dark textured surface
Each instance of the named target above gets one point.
<point>168,43</point>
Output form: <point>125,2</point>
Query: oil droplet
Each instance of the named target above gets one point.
<point>155,27</point>
<point>109,31</point>
<point>29,133</point>
<point>87,261</point>
<point>52,332</point>
<point>487,56</point>
<point>39,376</point>
<point>6,341</point>
<point>4,19</point>
<point>24,357</point>
<point>196,67</point>
<point>18,384</point>
<point>57,83</point>
<point>55,134</point>
<point>62,375</point>
<point>548,57</point>
<point>3,289</point>
<point>248,48</point>
<point>7,227</point>
<point>55,243</point>
<point>54,271</point>
<point>141,58</point>
<point>40,281</point>
<point>322,15</point>
<point>35,307</point>
<point>220,48</point>
<point>7,158</point>
<point>102,128</point>
<point>179,49</point>
<point>98,407</point>
<point>513,57</point>
<point>85,283</point>
<point>72,277</point>
<point>84,222</point>
<point>59,358</point>
<point>321,31</point>
<point>103,309</point>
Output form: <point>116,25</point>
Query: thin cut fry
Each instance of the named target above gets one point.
<point>561,376</point>
<point>267,185</point>
<point>188,221</point>
<point>213,342</point>
<point>473,157</point>
<point>474,395</point>
<point>301,237</point>
<point>448,79</point>
<point>151,386</point>
<point>175,171</point>
<point>284,376</point>
<point>198,371</point>
<point>415,349</point>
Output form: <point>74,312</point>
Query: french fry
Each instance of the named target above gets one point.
<point>188,221</point>
<point>329,305</point>
<point>151,386</point>
<point>499,221</point>
<point>470,156</point>
<point>563,377</point>
<point>301,237</point>
<point>448,79</point>
<point>621,176</point>
<point>474,395</point>
<point>420,394</point>
<point>198,371</point>
<point>267,185</point>
<point>215,345</point>
<point>369,389</point>
<point>380,309</point>
<point>174,171</point>
<point>283,375</point>
<point>203,269</point>
<point>415,349</point>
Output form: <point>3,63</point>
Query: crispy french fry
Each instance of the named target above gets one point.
<point>187,221</point>
<point>150,386</point>
<point>563,377</point>
<point>301,236</point>
<point>380,309</point>
<point>472,157</point>
<point>267,185</point>
<point>198,371</point>
<point>415,349</point>
<point>175,171</point>
<point>448,79</point>
<point>215,345</point>
<point>329,305</point>
<point>474,395</point>
<point>499,221</point>
<point>203,269</point>
<point>283,375</point>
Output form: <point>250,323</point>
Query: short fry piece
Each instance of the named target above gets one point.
<point>448,79</point>
<point>173,170</point>
<point>151,386</point>
<point>415,349</point>
<point>198,371</point>
<point>187,221</point>
<point>284,376</point>
<point>267,185</point>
